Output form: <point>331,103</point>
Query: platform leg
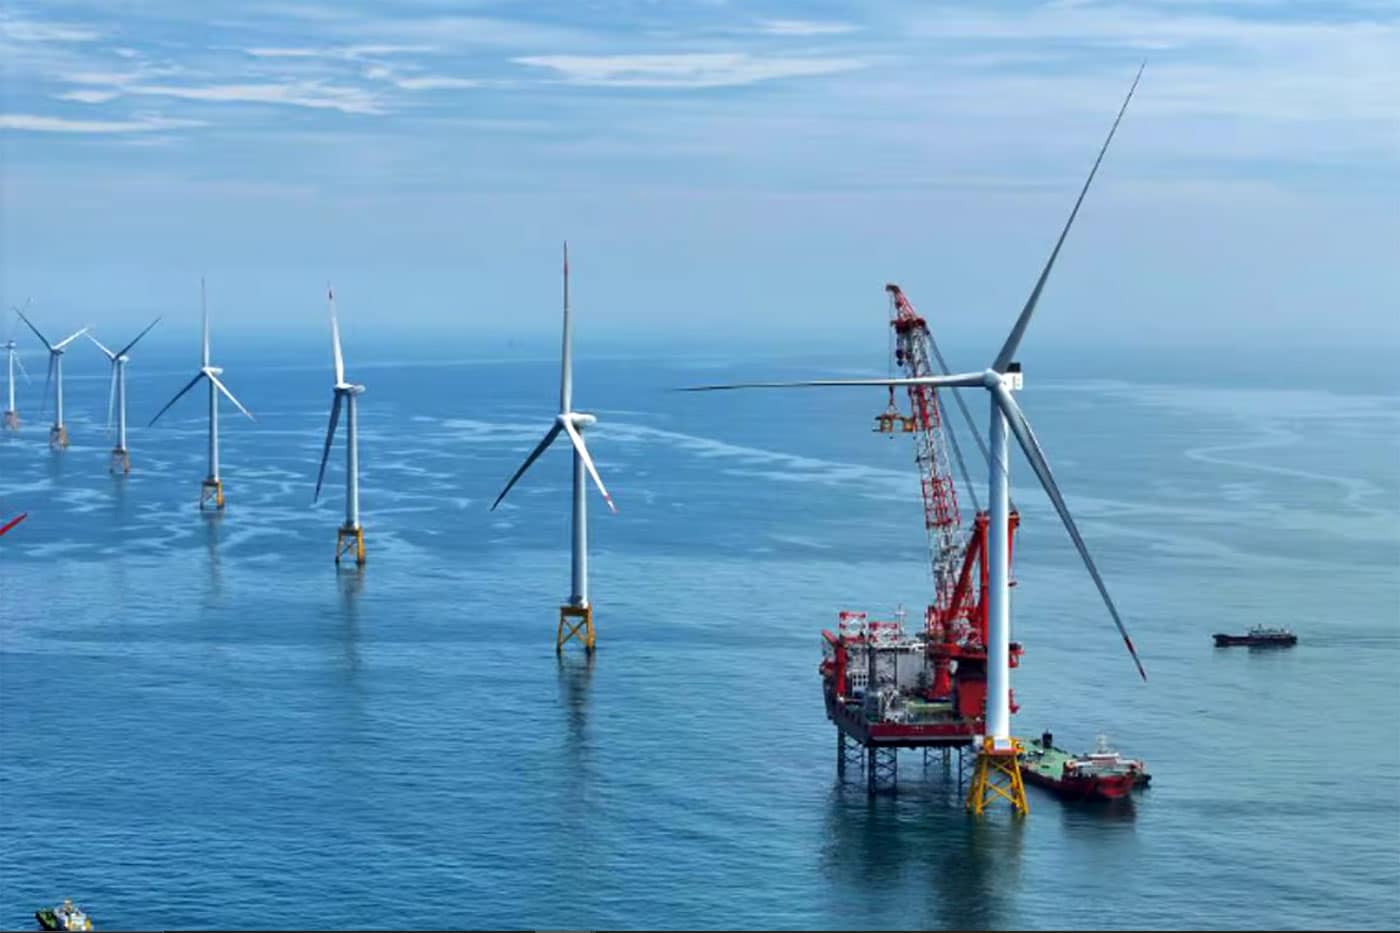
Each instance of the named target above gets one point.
<point>881,769</point>
<point>58,436</point>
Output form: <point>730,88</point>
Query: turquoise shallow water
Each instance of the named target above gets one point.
<point>202,724</point>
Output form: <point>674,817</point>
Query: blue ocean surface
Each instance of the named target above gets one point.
<point>204,724</point>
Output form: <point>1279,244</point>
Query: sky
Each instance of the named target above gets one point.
<point>725,172</point>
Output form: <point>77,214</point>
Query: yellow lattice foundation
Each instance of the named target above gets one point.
<point>575,622</point>
<point>997,776</point>
<point>350,539</point>
<point>58,436</point>
<point>121,460</point>
<point>11,421</point>
<point>211,494</point>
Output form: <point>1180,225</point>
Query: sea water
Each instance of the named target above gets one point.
<point>204,724</point>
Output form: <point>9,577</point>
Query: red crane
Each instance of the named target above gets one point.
<point>878,700</point>
<point>956,620</point>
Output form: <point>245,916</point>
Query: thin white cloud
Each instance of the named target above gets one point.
<point>346,52</point>
<point>16,29</point>
<point>299,93</point>
<point>89,96</point>
<point>420,82</point>
<point>313,94</point>
<point>434,83</point>
<point>685,70</point>
<point>465,31</point>
<point>35,123</point>
<point>804,27</point>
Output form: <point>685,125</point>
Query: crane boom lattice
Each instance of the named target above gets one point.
<point>925,421</point>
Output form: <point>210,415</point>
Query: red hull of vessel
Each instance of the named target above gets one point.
<point>1085,787</point>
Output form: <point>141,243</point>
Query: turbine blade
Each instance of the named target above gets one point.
<point>566,369</point>
<point>534,455</point>
<point>335,340</point>
<point>959,379</point>
<point>9,322</point>
<point>24,317</point>
<point>13,522</point>
<point>19,361</point>
<point>1013,341</point>
<point>48,380</point>
<point>224,389</point>
<point>582,451</point>
<point>123,351</point>
<point>204,311</point>
<point>69,339</point>
<point>111,397</point>
<point>1022,429</point>
<point>189,385</point>
<point>326,451</point>
<point>109,354</point>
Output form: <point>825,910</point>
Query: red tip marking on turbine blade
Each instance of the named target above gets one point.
<point>1133,651</point>
<point>608,500</point>
<point>13,522</point>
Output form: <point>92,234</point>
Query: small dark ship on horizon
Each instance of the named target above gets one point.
<point>1259,636</point>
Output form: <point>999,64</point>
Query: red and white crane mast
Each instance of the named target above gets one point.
<point>942,521</point>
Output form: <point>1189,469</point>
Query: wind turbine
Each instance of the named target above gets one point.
<point>116,395</point>
<point>13,359</point>
<point>351,534</point>
<point>58,434</point>
<point>576,616</point>
<point>212,489</point>
<point>998,767</point>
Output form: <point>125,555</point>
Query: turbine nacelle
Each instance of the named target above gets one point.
<point>212,370</point>
<point>348,388</point>
<point>579,419</point>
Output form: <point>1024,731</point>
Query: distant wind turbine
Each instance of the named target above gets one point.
<point>13,359</point>
<point>351,534</point>
<point>212,490</point>
<point>58,434</point>
<point>575,618</point>
<point>116,397</point>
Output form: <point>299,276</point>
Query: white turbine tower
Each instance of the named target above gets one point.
<point>116,397</point>
<point>575,617</point>
<point>58,434</point>
<point>12,359</point>
<point>998,769</point>
<point>352,533</point>
<point>212,489</point>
